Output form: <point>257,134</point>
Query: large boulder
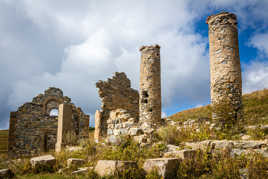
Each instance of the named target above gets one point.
<point>45,162</point>
<point>109,167</point>
<point>165,167</point>
<point>6,173</point>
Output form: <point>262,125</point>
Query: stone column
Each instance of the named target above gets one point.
<point>65,124</point>
<point>150,86</point>
<point>225,71</point>
<point>97,132</point>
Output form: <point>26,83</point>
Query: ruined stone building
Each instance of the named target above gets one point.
<point>225,71</point>
<point>120,106</point>
<point>126,112</point>
<point>33,130</point>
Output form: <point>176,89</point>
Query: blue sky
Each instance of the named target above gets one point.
<point>71,45</point>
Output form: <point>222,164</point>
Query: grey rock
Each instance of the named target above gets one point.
<point>45,161</point>
<point>166,167</point>
<point>6,173</point>
<point>109,167</point>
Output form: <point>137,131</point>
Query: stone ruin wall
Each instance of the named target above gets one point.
<point>119,109</point>
<point>225,71</point>
<point>33,130</point>
<point>150,86</point>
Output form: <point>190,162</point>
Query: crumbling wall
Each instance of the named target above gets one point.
<point>115,93</point>
<point>33,130</point>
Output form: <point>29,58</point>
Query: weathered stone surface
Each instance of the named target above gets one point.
<point>82,170</point>
<point>150,85</point>
<point>120,104</point>
<point>109,167</point>
<point>77,162</point>
<point>6,173</point>
<point>225,70</point>
<point>182,154</point>
<point>73,148</point>
<point>234,147</point>
<point>45,161</point>
<point>166,167</point>
<point>65,125</point>
<point>33,130</point>
<point>97,132</point>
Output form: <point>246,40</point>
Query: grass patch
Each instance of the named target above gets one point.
<point>255,111</point>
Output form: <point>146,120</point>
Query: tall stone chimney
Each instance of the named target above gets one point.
<point>150,86</point>
<point>225,71</point>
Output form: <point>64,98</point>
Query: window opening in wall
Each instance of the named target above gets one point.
<point>145,94</point>
<point>54,112</point>
<point>144,97</point>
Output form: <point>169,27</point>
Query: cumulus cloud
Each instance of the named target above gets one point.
<point>255,75</point>
<point>72,45</point>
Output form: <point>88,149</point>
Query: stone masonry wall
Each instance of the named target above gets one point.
<point>150,86</point>
<point>33,130</point>
<point>116,93</point>
<point>225,71</point>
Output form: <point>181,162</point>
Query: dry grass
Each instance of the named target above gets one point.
<point>255,107</point>
<point>3,141</point>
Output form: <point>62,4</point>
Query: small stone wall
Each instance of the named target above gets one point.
<point>115,93</point>
<point>34,131</point>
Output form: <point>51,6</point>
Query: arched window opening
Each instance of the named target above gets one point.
<point>54,112</point>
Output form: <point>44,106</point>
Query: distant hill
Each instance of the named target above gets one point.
<point>3,141</point>
<point>255,107</point>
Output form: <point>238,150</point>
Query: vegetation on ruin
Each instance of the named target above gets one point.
<point>204,165</point>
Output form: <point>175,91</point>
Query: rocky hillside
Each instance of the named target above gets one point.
<point>255,106</point>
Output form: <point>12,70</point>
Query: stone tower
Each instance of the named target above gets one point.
<point>150,86</point>
<point>225,71</point>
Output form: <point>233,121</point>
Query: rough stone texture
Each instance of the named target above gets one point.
<point>120,122</point>
<point>166,167</point>
<point>234,147</point>
<point>65,125</point>
<point>97,131</point>
<point>33,130</point>
<point>150,86</point>
<point>6,173</point>
<point>116,93</point>
<point>225,71</point>
<point>109,167</point>
<point>45,161</point>
<point>182,154</point>
<point>75,162</point>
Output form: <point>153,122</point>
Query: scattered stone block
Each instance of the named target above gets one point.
<point>6,173</point>
<point>44,162</point>
<point>82,170</point>
<point>73,148</point>
<point>109,167</point>
<point>182,154</point>
<point>166,167</point>
<point>77,162</point>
